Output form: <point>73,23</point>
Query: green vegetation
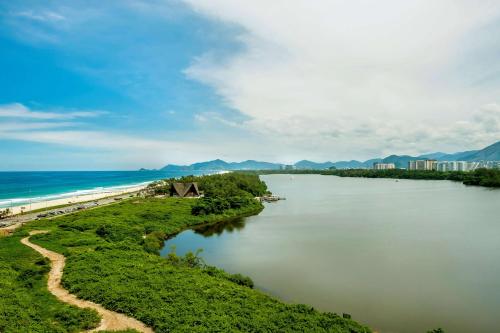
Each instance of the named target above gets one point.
<point>227,191</point>
<point>221,192</point>
<point>4,213</point>
<point>25,301</point>
<point>112,259</point>
<point>480,177</point>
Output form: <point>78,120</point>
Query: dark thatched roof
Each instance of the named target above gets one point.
<point>184,189</point>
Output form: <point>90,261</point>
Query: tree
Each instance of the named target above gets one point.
<point>4,213</point>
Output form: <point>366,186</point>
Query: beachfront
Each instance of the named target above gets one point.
<point>15,210</point>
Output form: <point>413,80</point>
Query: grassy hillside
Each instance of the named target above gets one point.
<point>112,259</point>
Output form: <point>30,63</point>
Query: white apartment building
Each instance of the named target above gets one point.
<point>422,165</point>
<point>383,166</point>
<point>466,166</point>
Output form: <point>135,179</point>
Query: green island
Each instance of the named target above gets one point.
<point>479,177</point>
<point>112,258</point>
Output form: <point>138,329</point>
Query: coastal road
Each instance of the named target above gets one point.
<point>9,224</point>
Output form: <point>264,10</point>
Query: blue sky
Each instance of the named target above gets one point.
<point>129,84</point>
<point>118,58</point>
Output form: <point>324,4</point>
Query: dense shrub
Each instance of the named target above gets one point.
<point>112,265</point>
<point>229,184</point>
<point>241,280</point>
<point>153,242</point>
<point>29,276</point>
<point>189,260</point>
<point>209,205</point>
<point>483,177</point>
<point>116,232</point>
<point>25,303</point>
<point>228,191</point>
<point>236,278</point>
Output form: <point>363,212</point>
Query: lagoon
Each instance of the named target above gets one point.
<point>399,256</point>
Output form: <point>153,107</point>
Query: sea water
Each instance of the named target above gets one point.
<point>18,188</point>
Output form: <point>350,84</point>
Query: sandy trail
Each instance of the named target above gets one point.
<point>111,321</point>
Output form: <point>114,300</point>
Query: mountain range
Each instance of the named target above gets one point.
<point>490,153</point>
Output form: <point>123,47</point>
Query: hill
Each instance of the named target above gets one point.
<point>399,161</point>
<point>220,165</point>
<point>490,153</point>
<point>305,164</point>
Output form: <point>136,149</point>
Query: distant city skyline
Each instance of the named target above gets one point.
<point>120,85</point>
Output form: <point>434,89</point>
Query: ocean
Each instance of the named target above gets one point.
<point>18,188</point>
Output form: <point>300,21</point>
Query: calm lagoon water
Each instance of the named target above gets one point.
<point>399,256</point>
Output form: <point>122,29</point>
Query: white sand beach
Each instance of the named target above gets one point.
<point>72,200</point>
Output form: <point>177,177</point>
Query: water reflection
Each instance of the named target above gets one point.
<point>229,226</point>
<point>403,256</point>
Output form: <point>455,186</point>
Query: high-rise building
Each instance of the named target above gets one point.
<point>383,166</point>
<point>422,165</point>
<point>442,166</point>
<point>466,166</point>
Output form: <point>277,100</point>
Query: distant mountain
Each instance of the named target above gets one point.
<point>461,156</point>
<point>212,165</point>
<point>256,165</point>
<point>353,164</point>
<point>219,165</point>
<point>399,161</point>
<point>490,153</point>
<point>305,164</point>
<point>369,163</point>
<point>433,156</point>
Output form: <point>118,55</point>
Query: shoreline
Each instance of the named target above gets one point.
<point>488,178</point>
<point>101,259</point>
<point>47,204</point>
<point>95,191</point>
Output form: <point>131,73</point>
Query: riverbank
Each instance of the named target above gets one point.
<point>479,177</point>
<point>112,259</point>
<point>393,254</point>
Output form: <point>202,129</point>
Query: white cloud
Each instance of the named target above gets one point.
<point>24,126</point>
<point>323,80</point>
<point>129,149</point>
<point>42,16</point>
<point>53,128</point>
<point>17,110</point>
<point>355,78</point>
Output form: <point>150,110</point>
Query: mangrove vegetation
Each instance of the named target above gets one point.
<point>479,177</point>
<point>112,258</point>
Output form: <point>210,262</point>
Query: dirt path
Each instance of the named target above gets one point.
<point>111,321</point>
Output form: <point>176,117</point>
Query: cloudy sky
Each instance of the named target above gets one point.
<point>126,84</point>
